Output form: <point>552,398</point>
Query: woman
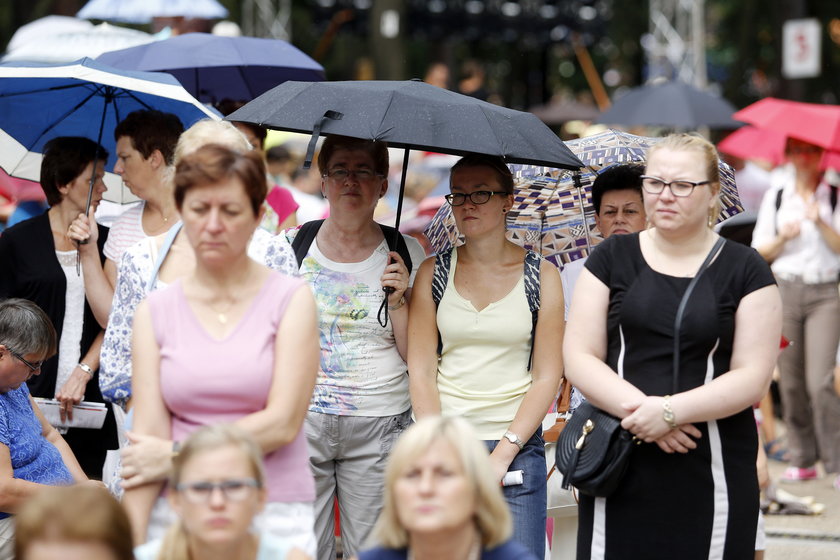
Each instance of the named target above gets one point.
<point>798,233</point>
<point>360,404</point>
<point>73,523</point>
<point>241,347</point>
<point>145,150</point>
<point>691,491</point>
<point>32,453</point>
<point>218,486</point>
<point>40,259</point>
<point>498,368</point>
<point>442,499</point>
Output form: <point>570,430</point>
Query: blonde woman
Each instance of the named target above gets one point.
<point>691,489</point>
<point>218,486</point>
<point>442,499</point>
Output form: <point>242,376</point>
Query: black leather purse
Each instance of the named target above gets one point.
<point>593,451</point>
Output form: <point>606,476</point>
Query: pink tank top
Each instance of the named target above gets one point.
<point>206,381</point>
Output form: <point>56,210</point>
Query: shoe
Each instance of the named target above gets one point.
<point>796,474</point>
<point>837,483</point>
<point>776,451</point>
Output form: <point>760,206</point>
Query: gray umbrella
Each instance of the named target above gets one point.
<point>671,104</point>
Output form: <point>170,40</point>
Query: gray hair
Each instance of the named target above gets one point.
<point>25,328</point>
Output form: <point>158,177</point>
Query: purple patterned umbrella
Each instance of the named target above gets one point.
<point>553,213</point>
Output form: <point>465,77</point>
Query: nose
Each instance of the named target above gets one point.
<point>217,498</point>
<point>119,168</point>
<point>667,193</point>
<point>426,483</point>
<point>214,220</point>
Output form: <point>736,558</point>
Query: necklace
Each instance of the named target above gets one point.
<point>222,316</point>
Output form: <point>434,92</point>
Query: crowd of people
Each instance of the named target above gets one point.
<point>262,383</point>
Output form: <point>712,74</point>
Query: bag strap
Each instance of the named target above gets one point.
<point>440,278</point>
<point>162,252</point>
<point>303,239</point>
<point>681,310</point>
<point>532,293</point>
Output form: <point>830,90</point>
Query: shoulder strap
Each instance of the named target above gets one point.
<point>440,277</point>
<point>304,238</point>
<point>391,234</point>
<point>532,293</point>
<point>681,310</point>
<point>832,197</point>
<point>162,252</point>
<point>778,205</point>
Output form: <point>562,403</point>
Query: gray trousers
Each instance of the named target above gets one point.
<point>811,320</point>
<point>348,456</point>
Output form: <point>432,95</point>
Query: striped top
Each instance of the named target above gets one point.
<point>126,231</point>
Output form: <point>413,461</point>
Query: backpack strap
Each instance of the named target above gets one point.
<point>440,278</point>
<point>832,198</point>
<point>401,248</point>
<point>532,292</point>
<point>304,238</point>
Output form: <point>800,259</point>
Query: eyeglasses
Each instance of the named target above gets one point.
<point>477,197</point>
<point>362,175</point>
<point>233,490</point>
<point>32,367</point>
<point>655,185</point>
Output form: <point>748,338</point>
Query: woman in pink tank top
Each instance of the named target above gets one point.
<point>231,342</point>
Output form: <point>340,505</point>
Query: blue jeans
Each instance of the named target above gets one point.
<point>527,501</point>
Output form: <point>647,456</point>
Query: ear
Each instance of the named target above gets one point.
<point>156,159</point>
<point>174,498</point>
<point>598,223</point>
<point>384,187</point>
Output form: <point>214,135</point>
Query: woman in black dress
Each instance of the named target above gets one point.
<point>691,490</point>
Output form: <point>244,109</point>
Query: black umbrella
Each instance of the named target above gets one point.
<point>672,104</point>
<point>411,115</point>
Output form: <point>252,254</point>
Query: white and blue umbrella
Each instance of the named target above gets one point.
<point>40,102</point>
<point>142,11</point>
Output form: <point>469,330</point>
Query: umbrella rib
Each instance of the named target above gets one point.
<point>65,115</point>
<point>135,98</point>
<point>45,90</point>
<point>492,129</point>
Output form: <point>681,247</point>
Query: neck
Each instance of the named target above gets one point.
<point>242,549</point>
<point>62,215</point>
<point>223,278</point>
<point>676,245</point>
<point>449,545</point>
<point>487,248</point>
<point>351,231</point>
<point>807,180</point>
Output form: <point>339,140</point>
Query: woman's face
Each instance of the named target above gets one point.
<point>219,221</point>
<point>217,516</point>
<point>622,211</point>
<point>679,213</point>
<point>471,218</point>
<point>74,194</point>
<point>138,173</point>
<point>353,194</point>
<point>804,155</point>
<point>434,494</point>
<point>68,550</point>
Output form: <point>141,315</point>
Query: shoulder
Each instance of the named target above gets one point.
<point>130,219</point>
<point>22,231</point>
<point>509,550</point>
<point>381,553</point>
<point>272,548</point>
<point>148,551</point>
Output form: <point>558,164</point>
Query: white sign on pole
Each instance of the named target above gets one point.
<point>801,48</point>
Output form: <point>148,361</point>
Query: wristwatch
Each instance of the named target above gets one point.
<point>668,412</point>
<point>514,439</point>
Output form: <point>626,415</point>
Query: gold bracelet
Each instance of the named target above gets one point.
<point>668,412</point>
<point>399,304</point>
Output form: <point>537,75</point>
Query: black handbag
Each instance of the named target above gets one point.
<point>593,451</point>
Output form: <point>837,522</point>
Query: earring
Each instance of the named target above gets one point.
<point>712,217</point>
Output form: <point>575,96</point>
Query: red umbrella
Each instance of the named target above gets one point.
<point>814,123</point>
<point>20,189</point>
<point>750,142</point>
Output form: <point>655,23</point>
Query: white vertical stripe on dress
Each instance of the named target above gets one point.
<point>720,491</point>
<point>599,515</point>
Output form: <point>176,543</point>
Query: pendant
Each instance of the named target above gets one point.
<point>222,318</point>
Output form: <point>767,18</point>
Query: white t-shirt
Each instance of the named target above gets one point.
<point>361,371</point>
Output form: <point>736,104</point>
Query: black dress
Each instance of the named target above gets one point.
<point>29,269</point>
<point>702,504</point>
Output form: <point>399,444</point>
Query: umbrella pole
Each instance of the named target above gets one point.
<point>579,186</point>
<point>382,316</point>
<point>108,99</point>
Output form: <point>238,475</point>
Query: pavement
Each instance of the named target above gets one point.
<point>811,537</point>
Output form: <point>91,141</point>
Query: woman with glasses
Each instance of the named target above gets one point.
<point>360,404</point>
<point>499,365</point>
<point>798,232</point>
<point>230,341</point>
<point>690,490</point>
<point>217,487</point>
<point>32,453</point>
<point>41,260</point>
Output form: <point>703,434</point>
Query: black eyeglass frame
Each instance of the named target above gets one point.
<point>690,185</point>
<point>450,198</point>
<point>355,172</point>
<point>32,367</point>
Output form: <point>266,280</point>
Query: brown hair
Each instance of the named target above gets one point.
<point>377,150</point>
<point>496,163</point>
<point>214,163</point>
<point>151,130</point>
<point>74,513</point>
<point>65,158</point>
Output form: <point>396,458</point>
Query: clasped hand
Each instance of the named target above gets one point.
<point>646,422</point>
<point>395,276</point>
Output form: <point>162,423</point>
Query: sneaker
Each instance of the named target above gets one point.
<point>796,474</point>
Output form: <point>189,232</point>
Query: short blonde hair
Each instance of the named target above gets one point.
<point>208,131</point>
<point>78,513</point>
<point>492,517</point>
<point>692,141</point>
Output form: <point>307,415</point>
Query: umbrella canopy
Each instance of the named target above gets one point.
<point>553,213</point>
<point>85,98</point>
<point>45,27</point>
<point>67,46</point>
<point>409,114</point>
<point>750,142</point>
<point>818,124</point>
<point>560,112</point>
<point>671,104</point>
<point>142,11</point>
<point>213,68</point>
